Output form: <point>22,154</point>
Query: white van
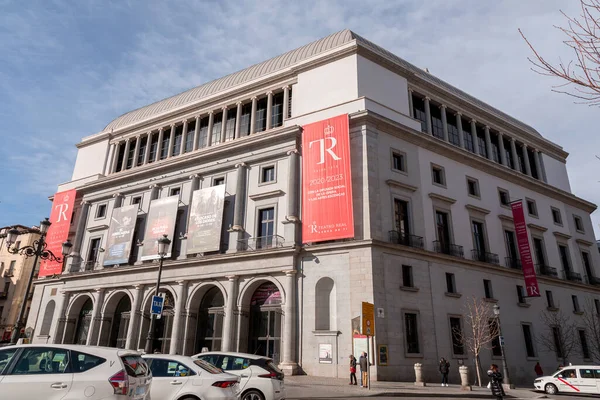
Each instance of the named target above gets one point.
<point>571,379</point>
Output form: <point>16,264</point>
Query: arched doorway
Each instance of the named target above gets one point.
<point>120,324</point>
<point>265,321</point>
<point>84,320</point>
<point>209,332</point>
<point>162,326</point>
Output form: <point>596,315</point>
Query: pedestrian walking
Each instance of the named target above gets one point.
<point>444,370</point>
<point>364,369</point>
<point>538,369</point>
<point>496,382</point>
<point>352,370</point>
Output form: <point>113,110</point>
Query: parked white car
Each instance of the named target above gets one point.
<point>183,378</point>
<point>571,379</point>
<point>71,372</point>
<point>260,377</point>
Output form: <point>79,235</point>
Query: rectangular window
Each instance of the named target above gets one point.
<point>587,267</point>
<point>575,301</point>
<point>6,289</point>
<point>177,140</point>
<point>216,129</point>
<point>479,241</point>
<point>93,251</point>
<point>532,208</point>
<point>436,122</point>
<point>189,137</point>
<point>473,187</point>
<point>398,162</point>
<point>412,333</point>
<point>260,123</point>
<point>245,119</point>
<point>174,191</point>
<point>11,268</point>
<point>564,257</point>
<point>419,112</point>
<point>556,217</point>
<point>456,335</point>
<point>495,334</point>
<point>131,153</point>
<point>508,154</point>
<point>267,174</point>
<point>467,136</point>
<point>401,221</point>
<point>597,305</point>
<point>437,174</point>
<point>520,159</point>
<point>141,154</point>
<point>578,223</point>
<point>538,247</point>
<point>203,133</point>
<point>153,148</point>
<point>557,341</point>
<point>101,211</point>
<point>443,231</point>
<point>585,350</point>
<point>495,147</point>
<point>136,200</point>
<point>230,125</point>
<point>504,197</point>
<point>120,156</point>
<point>164,147</point>
<point>218,181</point>
<point>277,110</point>
<point>550,299</point>
<point>407,276</point>
<point>528,337</point>
<point>487,288</point>
<point>521,295</point>
<point>481,143</point>
<point>450,283</point>
<point>453,133</point>
<point>511,249</point>
<point>266,227</point>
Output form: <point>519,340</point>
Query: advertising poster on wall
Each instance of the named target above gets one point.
<point>531,284</point>
<point>60,218</point>
<point>161,221</point>
<point>326,181</point>
<point>120,235</point>
<point>206,220</point>
<point>325,353</point>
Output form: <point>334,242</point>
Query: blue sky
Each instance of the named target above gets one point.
<point>67,68</point>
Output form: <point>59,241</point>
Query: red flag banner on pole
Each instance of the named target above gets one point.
<point>326,181</point>
<point>531,284</point>
<point>58,232</point>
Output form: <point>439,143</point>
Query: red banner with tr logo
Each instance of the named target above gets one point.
<point>531,284</point>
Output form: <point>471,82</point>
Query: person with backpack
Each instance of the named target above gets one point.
<point>496,382</point>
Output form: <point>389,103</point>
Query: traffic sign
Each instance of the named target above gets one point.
<point>368,319</point>
<point>157,305</point>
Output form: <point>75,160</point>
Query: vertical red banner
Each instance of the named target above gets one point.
<point>326,181</point>
<point>531,284</point>
<point>60,217</point>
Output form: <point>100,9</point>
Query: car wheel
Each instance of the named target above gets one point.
<point>550,389</point>
<point>253,395</point>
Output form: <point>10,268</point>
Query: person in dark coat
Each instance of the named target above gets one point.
<point>352,370</point>
<point>496,382</point>
<point>538,369</point>
<point>444,370</point>
<point>364,371</point>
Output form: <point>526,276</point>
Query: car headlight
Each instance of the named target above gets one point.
<point>537,381</point>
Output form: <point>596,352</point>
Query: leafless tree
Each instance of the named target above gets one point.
<point>591,322</point>
<point>480,329</point>
<point>560,336</point>
<point>581,76</point>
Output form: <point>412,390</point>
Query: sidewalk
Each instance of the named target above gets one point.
<point>341,389</point>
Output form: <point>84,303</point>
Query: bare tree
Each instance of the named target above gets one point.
<point>583,38</point>
<point>591,322</point>
<point>560,336</point>
<point>480,329</point>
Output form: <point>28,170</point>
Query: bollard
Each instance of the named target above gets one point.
<point>418,375</point>
<point>464,378</point>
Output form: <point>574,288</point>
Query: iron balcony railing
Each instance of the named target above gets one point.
<point>406,240</point>
<point>572,276</point>
<point>82,266</point>
<point>513,263</point>
<point>261,242</point>
<point>545,270</point>
<point>484,256</point>
<point>591,280</point>
<point>450,249</point>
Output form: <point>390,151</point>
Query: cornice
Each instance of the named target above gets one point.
<point>401,185</point>
<point>561,235</point>
<point>584,242</point>
<point>463,156</point>
<point>442,198</point>
<point>267,195</point>
<point>473,208</point>
<point>537,227</point>
<point>506,218</point>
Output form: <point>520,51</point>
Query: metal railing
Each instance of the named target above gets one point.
<point>484,256</point>
<point>591,280</point>
<point>513,263</point>
<point>450,249</point>
<point>572,276</point>
<point>406,240</point>
<point>261,242</point>
<point>545,270</point>
<point>82,266</point>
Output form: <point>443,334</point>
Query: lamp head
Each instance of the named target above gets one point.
<point>11,236</point>
<point>67,246</point>
<point>496,310</point>
<point>44,225</point>
<point>163,245</point>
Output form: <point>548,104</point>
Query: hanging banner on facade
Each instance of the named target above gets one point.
<point>161,221</point>
<point>58,232</point>
<point>531,284</point>
<point>326,181</point>
<point>120,235</point>
<point>206,220</point>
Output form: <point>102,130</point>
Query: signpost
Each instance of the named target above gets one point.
<point>368,329</point>
<point>157,305</point>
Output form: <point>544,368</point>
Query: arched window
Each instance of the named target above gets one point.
<point>325,302</point>
<point>48,317</point>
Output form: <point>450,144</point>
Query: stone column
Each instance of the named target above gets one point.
<point>292,219</point>
<point>269,109</point>
<point>118,200</point>
<point>183,137</point>
<point>115,161</point>
<point>75,258</point>
<point>502,149</point>
<point>136,151</point>
<point>410,103</point>
<point>211,122</point>
<point>536,161</point>
<point>428,116</point>
<point>196,132</point>
<point>474,136</point>
<point>238,119</point>
<point>180,294</point>
<point>488,143</point>
<point>159,147</point>
<point>286,102</point>
<point>94,331</point>
<point>444,122</point>
<point>289,364</point>
<point>154,191</point>
<point>148,146</point>
<point>239,209</point>
<point>526,160</point>
<point>111,151</point>
<point>58,329</point>
<point>229,320</point>
<point>135,318</point>
<point>461,135</point>
<point>223,124</point>
<point>513,150</point>
<point>125,155</point>
<point>542,171</point>
<point>253,115</point>
<point>171,141</point>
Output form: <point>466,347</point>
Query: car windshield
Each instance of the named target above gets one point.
<point>208,367</point>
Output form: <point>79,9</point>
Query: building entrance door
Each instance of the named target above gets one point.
<point>265,322</point>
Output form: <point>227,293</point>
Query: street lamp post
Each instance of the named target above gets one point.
<point>163,247</point>
<point>37,250</point>
<point>503,353</point>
